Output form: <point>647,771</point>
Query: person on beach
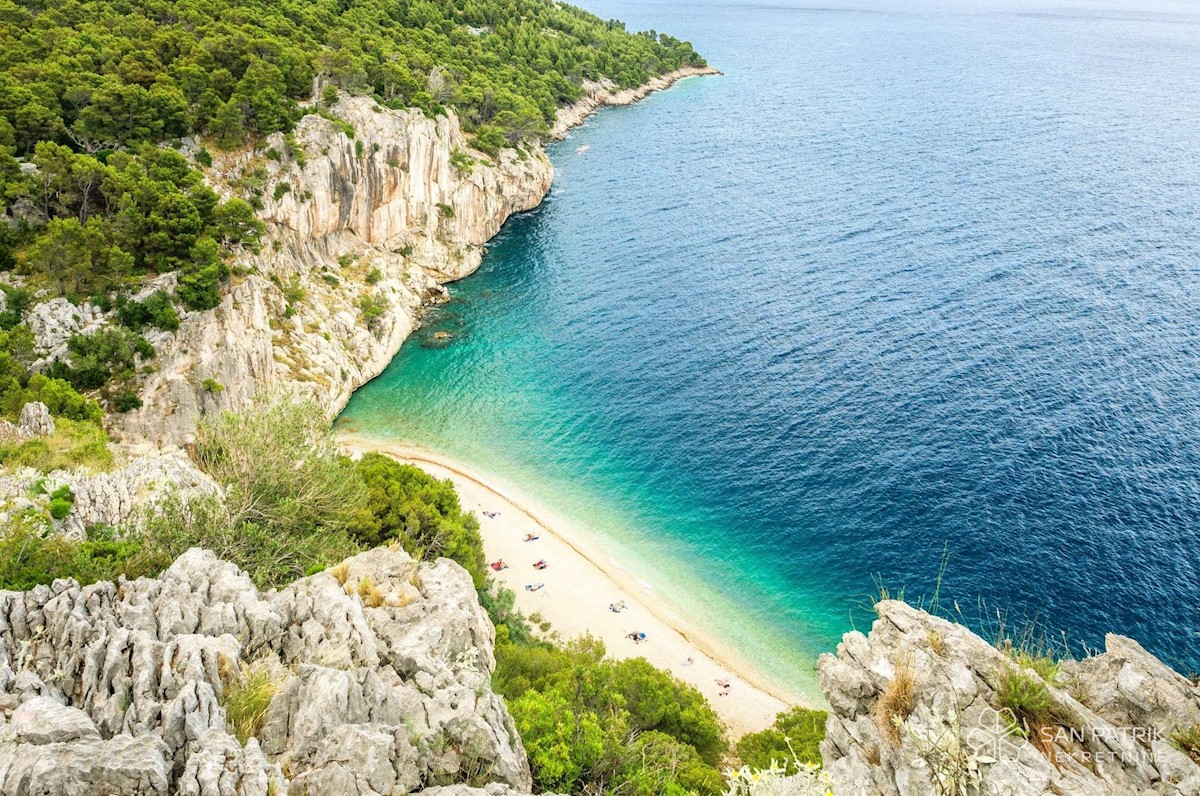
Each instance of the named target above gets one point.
<point>617,607</point>
<point>688,662</point>
<point>530,538</point>
<point>499,565</point>
<point>541,564</point>
<point>533,586</point>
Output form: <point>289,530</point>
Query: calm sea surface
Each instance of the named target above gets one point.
<point>908,277</point>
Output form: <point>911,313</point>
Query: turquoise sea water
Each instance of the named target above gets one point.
<point>908,276</point>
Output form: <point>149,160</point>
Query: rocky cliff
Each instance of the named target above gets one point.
<point>366,216</point>
<point>372,678</point>
<point>921,705</point>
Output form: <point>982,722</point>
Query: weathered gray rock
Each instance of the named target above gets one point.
<point>35,419</point>
<point>379,673</point>
<point>41,721</point>
<point>120,766</point>
<point>1116,744</point>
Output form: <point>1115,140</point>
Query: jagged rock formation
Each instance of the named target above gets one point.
<point>112,499</point>
<point>34,421</point>
<point>1115,712</point>
<point>381,219</point>
<point>379,669</point>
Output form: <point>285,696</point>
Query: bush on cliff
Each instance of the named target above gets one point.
<point>591,724</point>
<point>407,505</point>
<point>281,468</point>
<point>795,736</point>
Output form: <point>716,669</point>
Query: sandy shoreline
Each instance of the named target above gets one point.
<point>579,585</point>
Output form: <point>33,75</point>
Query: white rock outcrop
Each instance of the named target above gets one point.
<point>1117,713</point>
<point>120,688</point>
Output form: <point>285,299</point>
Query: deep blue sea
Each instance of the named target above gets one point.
<point>910,276</point>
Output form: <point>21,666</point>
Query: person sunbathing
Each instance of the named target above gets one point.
<point>530,538</point>
<point>499,565</point>
<point>533,586</point>
<point>541,564</point>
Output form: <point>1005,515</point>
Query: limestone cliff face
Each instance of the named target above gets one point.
<point>1113,717</point>
<point>124,688</point>
<point>361,232</point>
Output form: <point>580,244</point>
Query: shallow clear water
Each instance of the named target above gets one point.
<point>906,277</point>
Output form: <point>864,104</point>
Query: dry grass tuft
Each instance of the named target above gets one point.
<point>369,593</point>
<point>898,699</point>
<point>248,691</point>
<point>340,573</point>
<point>936,642</point>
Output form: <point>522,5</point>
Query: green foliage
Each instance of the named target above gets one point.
<point>106,359</point>
<point>372,306</point>
<point>212,386</point>
<point>281,468</point>
<point>32,555</point>
<point>461,161</point>
<point>74,444</point>
<point>273,556</point>
<point>61,502</point>
<point>281,190</point>
<point>446,211</point>
<point>374,277</point>
<point>101,75</point>
<point>595,725</point>
<point>157,310</point>
<point>407,505</point>
<point>795,737</point>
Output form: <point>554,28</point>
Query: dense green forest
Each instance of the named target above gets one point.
<point>92,204</point>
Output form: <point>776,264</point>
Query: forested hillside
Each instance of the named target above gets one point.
<point>92,204</point>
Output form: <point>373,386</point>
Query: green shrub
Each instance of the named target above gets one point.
<point>212,386</point>
<point>32,555</point>
<point>156,310</point>
<point>372,306</point>
<point>588,722</point>
<point>60,398</point>
<point>126,401</point>
<point>374,277</point>
<point>94,360</point>
<point>796,735</point>
<point>204,157</point>
<point>281,468</point>
<point>406,504</point>
<point>445,210</point>
<point>272,556</point>
<point>59,508</point>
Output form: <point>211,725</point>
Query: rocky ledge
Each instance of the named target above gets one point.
<point>922,705</point>
<point>373,678</point>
